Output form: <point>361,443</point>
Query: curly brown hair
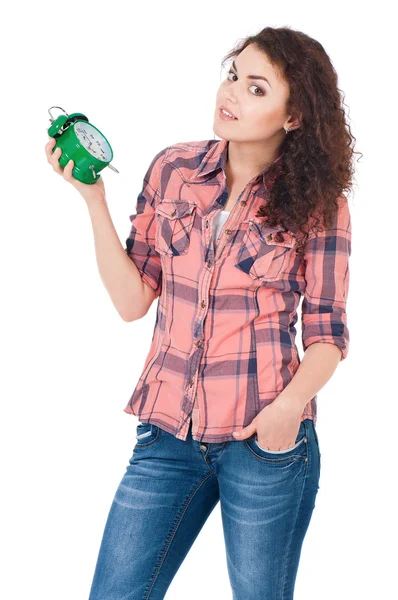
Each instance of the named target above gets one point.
<point>306,185</point>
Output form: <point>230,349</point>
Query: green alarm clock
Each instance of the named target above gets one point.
<point>81,142</point>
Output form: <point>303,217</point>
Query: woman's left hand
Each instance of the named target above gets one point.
<point>277,425</point>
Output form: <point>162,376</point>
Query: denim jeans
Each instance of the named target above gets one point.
<point>169,489</point>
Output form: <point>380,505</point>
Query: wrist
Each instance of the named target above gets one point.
<point>93,203</point>
<point>291,403</point>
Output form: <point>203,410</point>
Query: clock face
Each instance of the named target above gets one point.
<point>94,142</point>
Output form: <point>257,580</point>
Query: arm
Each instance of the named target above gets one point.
<point>140,244</point>
<point>130,275</point>
<point>316,368</point>
<point>119,275</point>
<point>325,334</point>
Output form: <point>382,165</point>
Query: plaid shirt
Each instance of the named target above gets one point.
<point>223,345</point>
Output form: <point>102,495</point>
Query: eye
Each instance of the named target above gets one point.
<point>255,86</point>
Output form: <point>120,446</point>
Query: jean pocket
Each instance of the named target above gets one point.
<point>147,434</point>
<point>174,225</point>
<point>263,254</point>
<point>298,451</point>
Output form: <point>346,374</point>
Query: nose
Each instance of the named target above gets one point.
<point>227,94</point>
<point>228,99</point>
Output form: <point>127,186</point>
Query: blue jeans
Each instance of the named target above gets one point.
<point>169,489</point>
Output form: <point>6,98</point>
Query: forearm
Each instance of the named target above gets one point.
<point>118,272</point>
<point>316,368</point>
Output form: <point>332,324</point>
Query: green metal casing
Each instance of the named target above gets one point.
<point>72,149</point>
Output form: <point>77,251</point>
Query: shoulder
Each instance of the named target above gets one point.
<point>187,158</point>
<point>196,148</point>
<point>199,145</point>
<point>184,150</point>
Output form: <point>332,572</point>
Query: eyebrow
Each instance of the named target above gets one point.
<point>253,76</point>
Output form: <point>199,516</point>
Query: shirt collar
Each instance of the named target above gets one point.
<point>216,158</point>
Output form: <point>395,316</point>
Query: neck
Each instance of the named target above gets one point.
<point>246,160</point>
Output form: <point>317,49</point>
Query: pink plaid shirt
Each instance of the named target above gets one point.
<point>223,345</point>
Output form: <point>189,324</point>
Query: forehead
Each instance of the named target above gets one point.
<point>254,61</point>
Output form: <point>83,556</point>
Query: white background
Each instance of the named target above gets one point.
<point>146,74</point>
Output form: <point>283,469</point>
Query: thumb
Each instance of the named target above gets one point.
<point>245,432</point>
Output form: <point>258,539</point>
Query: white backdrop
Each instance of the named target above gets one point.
<point>147,74</point>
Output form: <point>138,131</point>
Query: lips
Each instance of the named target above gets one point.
<point>228,110</point>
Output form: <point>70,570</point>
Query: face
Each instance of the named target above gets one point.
<point>258,105</point>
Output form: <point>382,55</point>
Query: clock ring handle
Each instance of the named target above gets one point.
<point>60,108</point>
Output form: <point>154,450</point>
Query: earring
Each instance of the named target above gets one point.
<point>288,129</point>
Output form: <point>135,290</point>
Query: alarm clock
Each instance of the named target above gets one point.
<point>81,142</point>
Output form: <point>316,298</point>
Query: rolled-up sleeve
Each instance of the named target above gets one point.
<point>140,244</point>
<point>326,260</point>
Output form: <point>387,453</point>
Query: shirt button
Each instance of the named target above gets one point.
<point>243,203</point>
<point>191,383</point>
<point>228,232</point>
<point>269,237</point>
<point>209,264</point>
<point>203,304</point>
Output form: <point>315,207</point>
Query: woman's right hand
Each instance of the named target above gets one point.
<point>91,192</point>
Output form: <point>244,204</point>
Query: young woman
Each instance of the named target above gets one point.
<point>229,234</point>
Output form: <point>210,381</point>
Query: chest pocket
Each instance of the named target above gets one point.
<point>174,224</point>
<point>261,256</point>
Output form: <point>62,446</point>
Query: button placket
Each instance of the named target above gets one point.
<point>236,211</point>
<point>232,217</point>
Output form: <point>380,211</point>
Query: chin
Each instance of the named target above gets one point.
<point>218,131</point>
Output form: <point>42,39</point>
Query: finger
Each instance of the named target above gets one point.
<point>245,432</point>
<point>68,171</point>
<point>48,147</point>
<point>52,153</point>
<point>55,162</point>
<point>274,449</point>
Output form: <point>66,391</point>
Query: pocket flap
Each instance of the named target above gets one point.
<point>267,234</point>
<point>175,209</point>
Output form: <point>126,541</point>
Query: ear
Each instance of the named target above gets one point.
<point>295,123</point>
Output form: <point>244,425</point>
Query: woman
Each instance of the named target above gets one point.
<point>229,234</point>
